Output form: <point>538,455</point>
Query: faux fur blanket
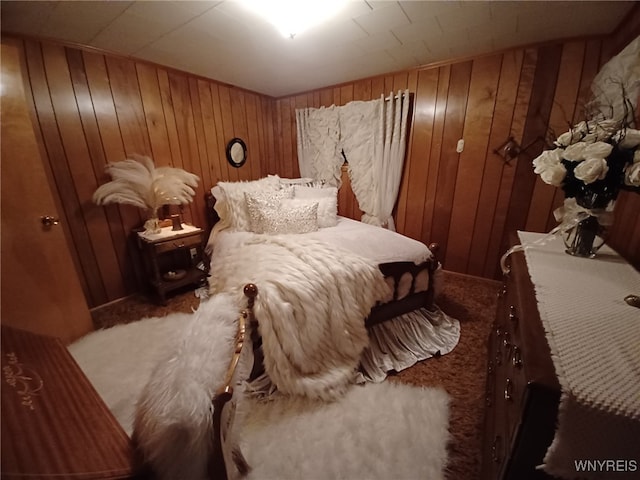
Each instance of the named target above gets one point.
<point>311,306</point>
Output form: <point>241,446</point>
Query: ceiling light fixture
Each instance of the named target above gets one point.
<point>292,17</point>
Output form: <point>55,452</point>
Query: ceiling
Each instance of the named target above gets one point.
<point>221,40</point>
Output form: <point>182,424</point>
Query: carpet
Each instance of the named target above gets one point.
<point>385,430</point>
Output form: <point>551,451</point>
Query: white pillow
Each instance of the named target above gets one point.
<point>259,200</point>
<point>327,199</point>
<point>287,218</point>
<point>230,202</point>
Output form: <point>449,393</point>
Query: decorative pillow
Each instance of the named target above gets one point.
<point>230,202</point>
<point>302,181</point>
<point>259,200</point>
<point>327,199</point>
<point>287,218</point>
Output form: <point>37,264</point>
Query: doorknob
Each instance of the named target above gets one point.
<point>48,221</point>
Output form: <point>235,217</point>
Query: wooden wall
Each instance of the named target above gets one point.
<point>93,108</point>
<point>469,202</point>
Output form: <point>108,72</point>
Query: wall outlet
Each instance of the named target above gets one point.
<point>460,146</point>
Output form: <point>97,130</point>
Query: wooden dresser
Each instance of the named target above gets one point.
<point>54,423</point>
<point>522,392</point>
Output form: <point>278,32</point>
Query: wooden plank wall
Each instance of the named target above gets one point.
<point>93,108</point>
<point>468,202</point>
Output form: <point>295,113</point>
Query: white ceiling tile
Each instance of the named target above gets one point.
<point>419,10</point>
<point>378,41</point>
<point>222,41</point>
<point>384,18</point>
<point>81,21</point>
<point>469,14</point>
<point>426,27</point>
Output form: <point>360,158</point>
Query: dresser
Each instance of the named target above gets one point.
<point>522,390</point>
<point>54,423</point>
<point>575,308</point>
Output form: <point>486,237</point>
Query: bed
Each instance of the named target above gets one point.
<point>336,305</point>
<point>317,270</point>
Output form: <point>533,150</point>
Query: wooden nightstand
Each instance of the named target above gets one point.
<point>173,258</point>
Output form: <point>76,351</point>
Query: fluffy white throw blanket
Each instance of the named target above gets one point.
<point>311,306</point>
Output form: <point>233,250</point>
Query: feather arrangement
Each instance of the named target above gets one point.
<point>136,181</point>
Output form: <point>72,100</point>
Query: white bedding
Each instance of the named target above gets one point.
<point>377,244</point>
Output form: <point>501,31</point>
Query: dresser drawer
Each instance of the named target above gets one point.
<point>182,242</point>
<point>521,387</point>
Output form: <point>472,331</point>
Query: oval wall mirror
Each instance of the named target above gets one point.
<point>236,152</point>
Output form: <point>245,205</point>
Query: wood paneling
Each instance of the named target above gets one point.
<point>92,108</point>
<point>468,202</point>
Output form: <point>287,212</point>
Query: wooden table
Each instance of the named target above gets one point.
<point>177,251</point>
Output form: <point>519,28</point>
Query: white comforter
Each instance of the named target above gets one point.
<point>312,302</point>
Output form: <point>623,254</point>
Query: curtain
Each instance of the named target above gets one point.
<point>318,134</point>
<point>395,145</point>
<point>361,138</point>
<point>373,136</point>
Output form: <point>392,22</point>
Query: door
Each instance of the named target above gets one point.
<point>39,286</point>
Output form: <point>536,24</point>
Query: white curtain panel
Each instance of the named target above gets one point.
<point>395,144</point>
<point>373,136</point>
<point>318,134</point>
<point>362,139</point>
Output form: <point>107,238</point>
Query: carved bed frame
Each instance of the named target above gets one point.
<point>395,270</point>
<point>218,466</point>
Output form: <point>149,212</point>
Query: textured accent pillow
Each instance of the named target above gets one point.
<point>327,199</point>
<point>259,200</point>
<point>288,218</point>
<point>231,206</point>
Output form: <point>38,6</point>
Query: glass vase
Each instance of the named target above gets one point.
<point>586,238</point>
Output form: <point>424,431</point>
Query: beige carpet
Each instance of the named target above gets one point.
<point>462,373</point>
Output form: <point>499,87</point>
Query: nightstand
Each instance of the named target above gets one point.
<point>173,258</point>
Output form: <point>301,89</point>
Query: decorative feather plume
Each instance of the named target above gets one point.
<point>136,181</point>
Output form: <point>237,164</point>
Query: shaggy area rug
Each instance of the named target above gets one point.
<point>375,431</point>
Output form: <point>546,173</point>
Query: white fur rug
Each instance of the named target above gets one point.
<point>376,431</point>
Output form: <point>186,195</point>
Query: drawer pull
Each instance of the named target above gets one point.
<point>512,315</point>
<point>497,441</point>
<point>516,359</point>
<point>508,390</point>
<point>503,291</point>
<point>490,367</point>
<point>505,341</point>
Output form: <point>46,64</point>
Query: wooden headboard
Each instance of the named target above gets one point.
<point>210,214</point>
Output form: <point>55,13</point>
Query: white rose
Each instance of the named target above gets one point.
<point>554,174</point>
<point>575,152</point>
<point>546,158</point>
<point>632,174</point>
<point>603,129</point>
<point>591,170</point>
<point>568,138</point>
<point>630,138</point>
<point>598,150</point>
<point>590,137</point>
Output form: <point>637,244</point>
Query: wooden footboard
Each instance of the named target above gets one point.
<point>412,300</point>
<point>218,465</point>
